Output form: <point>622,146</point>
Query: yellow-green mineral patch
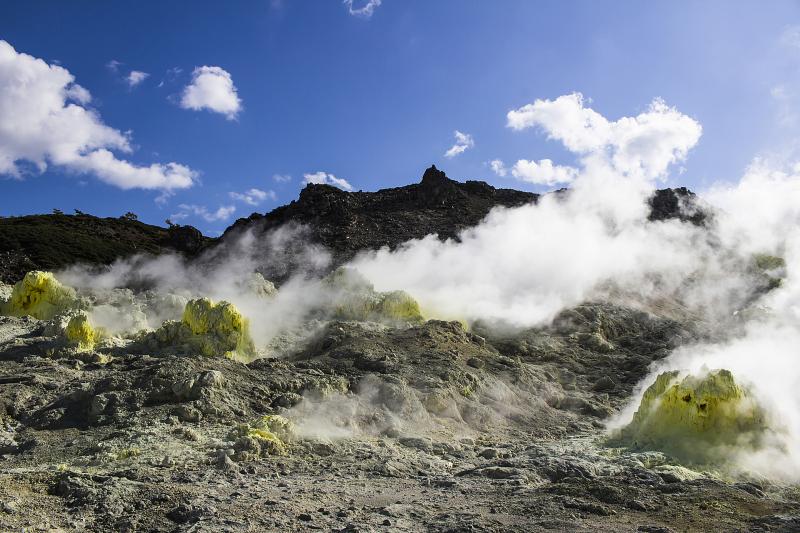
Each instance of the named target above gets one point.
<point>696,418</point>
<point>268,434</point>
<point>219,328</point>
<point>40,295</point>
<point>79,332</point>
<point>212,329</point>
<point>355,298</point>
<point>770,269</point>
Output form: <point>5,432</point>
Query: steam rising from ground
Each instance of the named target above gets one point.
<point>522,266</point>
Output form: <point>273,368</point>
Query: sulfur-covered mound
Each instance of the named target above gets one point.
<point>267,435</point>
<point>79,332</point>
<point>353,297</point>
<point>257,284</point>
<point>206,328</point>
<point>40,295</point>
<point>697,418</point>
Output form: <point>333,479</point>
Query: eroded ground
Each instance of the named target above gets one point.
<point>423,427</point>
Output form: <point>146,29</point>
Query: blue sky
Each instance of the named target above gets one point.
<point>374,100</point>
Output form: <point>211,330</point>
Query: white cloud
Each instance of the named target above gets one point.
<point>45,122</point>
<point>325,178</point>
<point>366,10</point>
<point>463,142</point>
<point>644,145</point>
<point>281,178</point>
<point>136,77</point>
<point>114,65</point>
<point>543,172</point>
<point>253,196</point>
<point>498,167</point>
<point>791,36</point>
<point>212,88</point>
<point>224,212</point>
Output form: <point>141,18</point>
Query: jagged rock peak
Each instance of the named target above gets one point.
<point>434,176</point>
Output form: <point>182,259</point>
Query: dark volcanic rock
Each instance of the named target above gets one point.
<point>346,222</point>
<point>50,242</point>
<point>680,203</point>
<point>343,222</point>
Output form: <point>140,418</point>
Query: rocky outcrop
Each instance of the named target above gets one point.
<point>52,242</point>
<point>680,203</point>
<point>342,222</point>
<point>346,222</point>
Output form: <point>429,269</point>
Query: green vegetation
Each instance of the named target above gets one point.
<point>52,242</point>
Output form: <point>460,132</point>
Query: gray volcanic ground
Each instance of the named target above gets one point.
<point>439,357</point>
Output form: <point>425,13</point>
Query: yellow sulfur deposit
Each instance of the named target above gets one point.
<point>40,295</point>
<point>399,305</point>
<point>219,328</point>
<point>354,298</point>
<point>80,332</point>
<point>696,418</point>
<point>266,435</point>
<point>208,328</point>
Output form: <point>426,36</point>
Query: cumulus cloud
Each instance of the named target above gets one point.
<point>282,178</point>
<point>114,65</point>
<point>46,121</point>
<point>498,167</point>
<point>253,196</point>
<point>136,77</point>
<point>644,145</point>
<point>464,141</point>
<point>324,178</point>
<point>212,88</point>
<point>542,172</point>
<point>366,9</point>
<point>224,212</point>
<point>596,233</point>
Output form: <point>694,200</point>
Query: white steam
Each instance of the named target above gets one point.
<point>522,266</point>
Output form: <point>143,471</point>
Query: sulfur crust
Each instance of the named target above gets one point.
<point>40,295</point>
<point>354,298</point>
<point>80,332</point>
<point>211,329</point>
<point>697,418</point>
<point>273,431</point>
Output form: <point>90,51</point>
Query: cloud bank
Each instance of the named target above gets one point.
<point>47,121</point>
<point>644,145</point>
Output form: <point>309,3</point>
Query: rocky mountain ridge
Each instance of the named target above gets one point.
<point>340,221</point>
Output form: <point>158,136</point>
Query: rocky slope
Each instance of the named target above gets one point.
<point>347,222</point>
<point>359,423</point>
<point>341,222</point>
<point>51,242</point>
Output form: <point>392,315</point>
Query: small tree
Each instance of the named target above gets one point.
<point>58,212</point>
<point>79,212</point>
<point>130,216</point>
<point>170,223</point>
